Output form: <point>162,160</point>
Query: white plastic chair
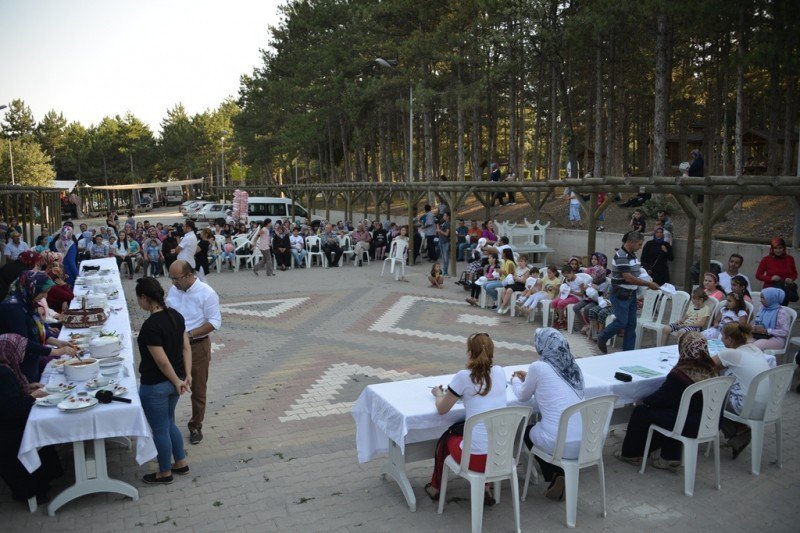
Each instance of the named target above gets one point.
<point>757,415</point>
<point>714,392</point>
<point>240,243</point>
<point>756,297</point>
<point>347,249</point>
<point>595,417</point>
<point>397,255</point>
<point>311,242</point>
<point>651,320</point>
<point>504,427</point>
<point>679,302</point>
<point>780,352</point>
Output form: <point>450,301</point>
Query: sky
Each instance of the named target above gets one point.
<point>94,58</point>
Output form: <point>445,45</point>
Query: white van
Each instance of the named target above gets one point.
<point>262,207</point>
<point>173,195</point>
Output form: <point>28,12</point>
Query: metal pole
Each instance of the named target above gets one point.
<point>222,174</point>
<point>410,133</point>
<point>11,160</point>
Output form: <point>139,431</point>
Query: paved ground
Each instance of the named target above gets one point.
<point>279,454</point>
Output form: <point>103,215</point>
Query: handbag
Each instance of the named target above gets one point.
<point>790,291</point>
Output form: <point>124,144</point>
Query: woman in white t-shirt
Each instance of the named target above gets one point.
<point>482,387</point>
<point>743,361</point>
<point>556,383</point>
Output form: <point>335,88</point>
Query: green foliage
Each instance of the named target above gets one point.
<point>653,206</point>
<point>31,165</point>
<point>19,122</point>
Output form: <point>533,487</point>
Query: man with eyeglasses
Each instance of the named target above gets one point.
<point>199,305</point>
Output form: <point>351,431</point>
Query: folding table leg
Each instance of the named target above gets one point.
<point>91,476</point>
<point>395,466</point>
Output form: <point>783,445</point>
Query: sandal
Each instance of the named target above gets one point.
<point>430,494</point>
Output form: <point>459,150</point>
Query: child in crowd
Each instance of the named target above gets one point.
<point>712,287</point>
<point>520,277</point>
<point>550,284</point>
<point>739,286</point>
<point>228,252</point>
<point>435,277</point>
<point>477,286</point>
<point>734,310</point>
<point>596,289</point>
<point>696,316</point>
<point>380,238</point>
<point>574,209</point>
<point>156,257</point>
<point>533,284</point>
<point>638,222</point>
<point>575,284</point>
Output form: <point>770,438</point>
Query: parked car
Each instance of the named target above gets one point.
<point>194,207</point>
<point>262,207</point>
<point>210,212</point>
<point>173,195</point>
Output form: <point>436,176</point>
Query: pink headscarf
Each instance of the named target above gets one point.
<point>12,352</point>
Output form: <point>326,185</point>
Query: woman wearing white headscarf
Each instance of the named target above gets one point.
<point>556,382</point>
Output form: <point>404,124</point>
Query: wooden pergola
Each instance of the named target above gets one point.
<point>21,202</point>
<point>721,194</point>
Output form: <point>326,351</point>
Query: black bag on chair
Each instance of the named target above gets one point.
<point>790,290</point>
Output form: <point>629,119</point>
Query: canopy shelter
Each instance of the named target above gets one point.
<point>64,185</point>
<point>114,196</point>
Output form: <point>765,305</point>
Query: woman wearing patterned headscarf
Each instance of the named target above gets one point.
<point>661,407</point>
<point>557,383</point>
<point>772,323</point>
<point>66,245</point>
<point>17,396</point>
<point>19,314</point>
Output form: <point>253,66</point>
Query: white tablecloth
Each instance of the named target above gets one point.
<point>50,425</point>
<point>405,411</point>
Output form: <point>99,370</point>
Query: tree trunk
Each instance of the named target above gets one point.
<point>787,130</point>
<point>512,124</point>
<point>598,113</point>
<point>476,143</point>
<point>660,115</point>
<point>553,173</point>
<point>740,71</point>
<point>427,142</point>
<point>460,142</point>
<point>772,142</point>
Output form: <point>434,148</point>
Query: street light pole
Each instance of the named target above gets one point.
<point>392,64</point>
<point>10,153</point>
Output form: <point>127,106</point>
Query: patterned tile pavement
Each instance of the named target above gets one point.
<point>279,454</point>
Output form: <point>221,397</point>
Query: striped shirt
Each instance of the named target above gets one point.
<point>624,261</point>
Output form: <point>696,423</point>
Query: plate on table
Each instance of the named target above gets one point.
<point>50,401</point>
<point>61,387</point>
<point>72,404</point>
<point>93,385</point>
<point>110,361</point>
<point>116,389</point>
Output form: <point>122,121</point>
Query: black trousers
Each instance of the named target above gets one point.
<point>549,471</point>
<point>431,247</point>
<point>332,252</point>
<point>284,258</point>
<point>636,436</point>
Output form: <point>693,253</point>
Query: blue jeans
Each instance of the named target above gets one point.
<point>491,289</point>
<point>444,254</point>
<point>299,256</point>
<point>460,249</point>
<point>158,402</point>
<point>624,317</point>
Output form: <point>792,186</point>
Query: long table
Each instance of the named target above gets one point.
<point>400,418</point>
<point>88,430</point>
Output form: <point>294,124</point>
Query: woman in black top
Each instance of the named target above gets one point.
<point>166,373</point>
<point>201,256</point>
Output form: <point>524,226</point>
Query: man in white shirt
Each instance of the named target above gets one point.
<point>188,245</point>
<point>734,264</point>
<point>15,246</point>
<point>199,305</point>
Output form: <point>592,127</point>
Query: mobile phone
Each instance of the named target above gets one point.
<point>622,376</point>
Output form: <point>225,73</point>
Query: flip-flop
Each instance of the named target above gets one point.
<point>431,496</point>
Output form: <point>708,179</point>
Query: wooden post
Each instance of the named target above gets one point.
<point>411,208</point>
<point>592,242</point>
<point>692,212</point>
<point>452,200</point>
<point>708,226</point>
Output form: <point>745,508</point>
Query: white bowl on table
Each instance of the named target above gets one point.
<point>81,369</point>
<point>105,346</point>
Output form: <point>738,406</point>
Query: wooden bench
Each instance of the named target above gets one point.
<point>527,238</point>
